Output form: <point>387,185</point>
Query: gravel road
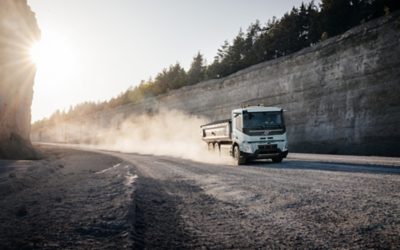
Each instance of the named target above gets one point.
<point>78,199</point>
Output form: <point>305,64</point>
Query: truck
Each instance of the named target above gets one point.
<point>254,132</point>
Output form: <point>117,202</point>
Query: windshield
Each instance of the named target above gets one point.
<point>262,120</point>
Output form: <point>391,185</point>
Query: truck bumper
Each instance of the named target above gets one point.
<point>269,155</point>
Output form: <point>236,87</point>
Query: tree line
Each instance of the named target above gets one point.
<point>299,28</point>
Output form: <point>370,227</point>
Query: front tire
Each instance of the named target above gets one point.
<point>238,156</point>
<point>277,159</point>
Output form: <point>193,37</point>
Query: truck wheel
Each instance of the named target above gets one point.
<point>219,148</point>
<point>277,159</point>
<point>238,157</point>
<point>215,148</point>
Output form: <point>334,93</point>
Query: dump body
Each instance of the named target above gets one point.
<point>217,132</point>
<point>252,133</point>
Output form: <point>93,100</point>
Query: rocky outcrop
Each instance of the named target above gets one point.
<point>18,31</point>
<point>342,95</point>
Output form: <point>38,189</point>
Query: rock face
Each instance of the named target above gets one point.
<point>18,31</point>
<point>342,95</point>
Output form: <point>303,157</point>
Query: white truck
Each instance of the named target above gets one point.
<point>254,132</point>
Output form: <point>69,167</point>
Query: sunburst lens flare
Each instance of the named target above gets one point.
<point>54,57</point>
<point>34,53</point>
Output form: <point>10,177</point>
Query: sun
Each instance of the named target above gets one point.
<point>53,56</point>
<point>35,53</point>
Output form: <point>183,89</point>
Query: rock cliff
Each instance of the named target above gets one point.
<point>18,31</point>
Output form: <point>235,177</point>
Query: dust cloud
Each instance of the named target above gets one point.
<point>167,133</point>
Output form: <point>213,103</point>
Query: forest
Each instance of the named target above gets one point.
<point>301,27</point>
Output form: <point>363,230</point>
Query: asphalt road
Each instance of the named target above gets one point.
<point>146,202</point>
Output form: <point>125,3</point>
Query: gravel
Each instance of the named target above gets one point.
<point>77,199</point>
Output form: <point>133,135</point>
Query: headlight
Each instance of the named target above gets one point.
<point>246,147</point>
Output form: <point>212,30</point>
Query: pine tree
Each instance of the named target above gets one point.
<point>197,70</point>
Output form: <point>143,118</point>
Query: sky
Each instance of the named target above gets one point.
<point>92,50</point>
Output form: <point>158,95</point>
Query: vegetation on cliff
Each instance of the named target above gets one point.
<point>299,28</point>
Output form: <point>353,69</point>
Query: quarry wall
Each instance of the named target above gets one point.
<point>18,31</point>
<point>342,95</point>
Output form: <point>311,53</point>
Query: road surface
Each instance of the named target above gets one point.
<point>98,199</point>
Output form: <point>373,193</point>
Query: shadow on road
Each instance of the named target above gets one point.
<point>323,166</point>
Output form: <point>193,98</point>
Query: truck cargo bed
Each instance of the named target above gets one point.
<point>218,131</point>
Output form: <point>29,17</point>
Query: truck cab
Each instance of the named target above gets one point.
<point>258,133</point>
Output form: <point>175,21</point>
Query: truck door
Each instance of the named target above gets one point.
<point>237,125</point>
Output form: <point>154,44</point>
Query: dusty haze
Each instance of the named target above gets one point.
<point>169,133</point>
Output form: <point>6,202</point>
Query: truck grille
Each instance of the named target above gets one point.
<point>254,132</point>
<point>267,149</point>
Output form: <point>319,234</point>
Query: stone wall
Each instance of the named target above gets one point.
<point>18,30</point>
<point>342,95</point>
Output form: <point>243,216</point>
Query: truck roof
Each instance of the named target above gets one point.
<point>258,109</point>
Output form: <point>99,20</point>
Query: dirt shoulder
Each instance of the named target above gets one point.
<point>69,199</point>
